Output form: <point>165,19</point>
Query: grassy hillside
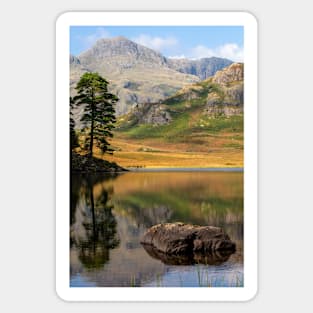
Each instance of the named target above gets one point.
<point>193,138</point>
<point>200,126</point>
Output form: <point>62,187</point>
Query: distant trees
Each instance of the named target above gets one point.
<point>98,111</point>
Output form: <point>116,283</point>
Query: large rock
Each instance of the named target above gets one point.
<point>180,239</point>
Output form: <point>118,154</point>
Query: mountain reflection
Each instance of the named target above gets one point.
<point>110,214</point>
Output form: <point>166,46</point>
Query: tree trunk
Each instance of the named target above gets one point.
<point>91,128</point>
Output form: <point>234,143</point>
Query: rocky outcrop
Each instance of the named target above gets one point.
<point>220,110</point>
<point>228,98</point>
<point>230,74</point>
<point>184,239</point>
<point>152,113</point>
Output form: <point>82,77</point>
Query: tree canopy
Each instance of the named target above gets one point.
<point>98,111</point>
<point>73,136</point>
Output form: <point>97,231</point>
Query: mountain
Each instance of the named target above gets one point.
<point>199,126</point>
<point>138,74</point>
<point>218,96</point>
<point>203,68</point>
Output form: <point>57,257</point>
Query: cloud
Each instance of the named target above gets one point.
<point>155,43</point>
<point>89,40</point>
<point>182,56</point>
<point>229,51</point>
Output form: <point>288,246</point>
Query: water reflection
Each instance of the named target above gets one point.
<point>109,215</point>
<point>93,226</point>
<point>212,258</point>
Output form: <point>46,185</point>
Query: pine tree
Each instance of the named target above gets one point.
<point>99,113</point>
<point>73,136</point>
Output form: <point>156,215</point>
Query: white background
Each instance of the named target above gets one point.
<point>27,165</point>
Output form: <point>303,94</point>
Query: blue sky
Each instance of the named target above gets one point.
<point>192,42</point>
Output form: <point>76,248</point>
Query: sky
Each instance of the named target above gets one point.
<point>193,42</point>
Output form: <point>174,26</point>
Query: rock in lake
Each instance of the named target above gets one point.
<point>186,239</point>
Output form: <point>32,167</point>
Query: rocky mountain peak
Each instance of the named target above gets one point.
<point>138,74</point>
<point>121,49</point>
<point>229,74</point>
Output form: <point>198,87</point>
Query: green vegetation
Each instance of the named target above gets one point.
<point>73,135</point>
<point>203,127</point>
<point>183,129</point>
<point>189,119</point>
<point>165,131</point>
<point>195,95</point>
<point>99,113</point>
<point>217,124</point>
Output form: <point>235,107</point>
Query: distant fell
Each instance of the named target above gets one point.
<point>203,68</point>
<point>221,95</point>
<point>200,125</point>
<point>138,74</point>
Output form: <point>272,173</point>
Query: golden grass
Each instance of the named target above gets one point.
<point>155,154</point>
<point>175,159</point>
<point>202,150</point>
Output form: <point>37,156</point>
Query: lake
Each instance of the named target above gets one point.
<point>109,215</point>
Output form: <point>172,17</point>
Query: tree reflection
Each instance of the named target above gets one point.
<point>93,226</point>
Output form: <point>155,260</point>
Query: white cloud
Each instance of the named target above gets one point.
<point>182,56</point>
<point>229,51</point>
<point>155,43</point>
<point>88,41</point>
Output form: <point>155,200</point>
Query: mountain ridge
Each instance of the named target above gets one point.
<point>108,47</point>
<point>138,74</point>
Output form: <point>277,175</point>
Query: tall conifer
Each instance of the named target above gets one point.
<point>98,111</point>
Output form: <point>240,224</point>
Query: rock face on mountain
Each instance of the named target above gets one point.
<point>202,68</point>
<point>230,74</point>
<point>229,96</point>
<point>121,52</point>
<point>74,59</point>
<point>152,113</point>
<point>138,74</point>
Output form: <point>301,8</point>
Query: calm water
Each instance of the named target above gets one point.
<point>109,215</point>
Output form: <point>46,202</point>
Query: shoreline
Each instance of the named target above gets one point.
<point>167,169</point>
<point>186,169</point>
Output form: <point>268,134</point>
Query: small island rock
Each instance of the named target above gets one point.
<point>180,239</point>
